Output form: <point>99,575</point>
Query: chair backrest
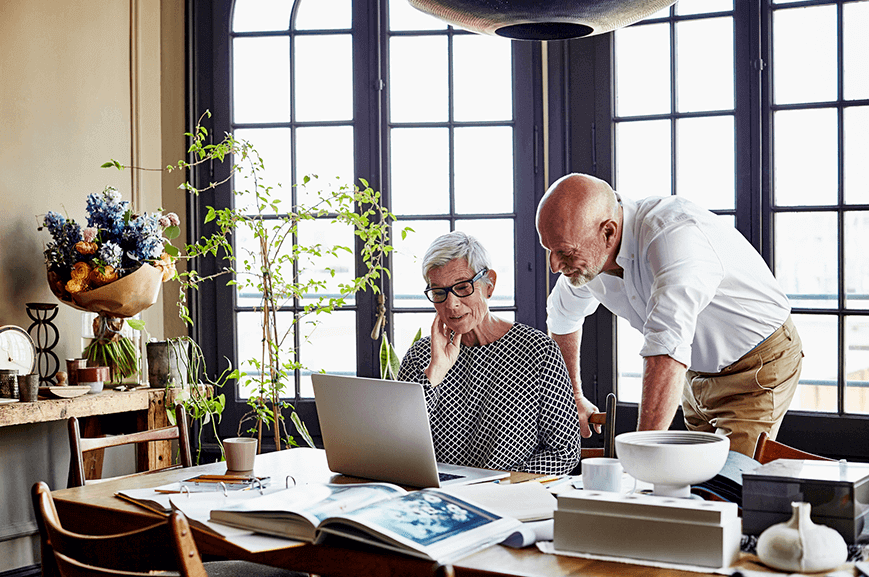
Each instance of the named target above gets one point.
<point>767,450</point>
<point>608,421</point>
<point>135,552</point>
<point>79,445</point>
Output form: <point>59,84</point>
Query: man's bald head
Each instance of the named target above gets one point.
<point>579,223</point>
<point>577,200</point>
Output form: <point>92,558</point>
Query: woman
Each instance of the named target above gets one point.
<point>498,393</point>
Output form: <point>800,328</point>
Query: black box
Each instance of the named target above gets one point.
<point>837,491</point>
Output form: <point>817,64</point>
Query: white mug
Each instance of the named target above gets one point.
<point>240,453</point>
<point>602,474</point>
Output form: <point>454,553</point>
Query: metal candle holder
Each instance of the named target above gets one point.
<point>45,338</point>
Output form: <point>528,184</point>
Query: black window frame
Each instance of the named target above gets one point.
<point>209,88</point>
<point>582,96</point>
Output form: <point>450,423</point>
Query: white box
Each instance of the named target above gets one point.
<point>687,531</point>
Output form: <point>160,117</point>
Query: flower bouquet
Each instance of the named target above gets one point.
<point>113,267</point>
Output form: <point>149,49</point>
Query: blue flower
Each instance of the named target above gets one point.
<point>110,254</point>
<point>66,233</point>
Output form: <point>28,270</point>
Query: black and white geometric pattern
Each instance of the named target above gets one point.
<point>507,405</point>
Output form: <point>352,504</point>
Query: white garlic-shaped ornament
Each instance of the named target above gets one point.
<point>801,545</point>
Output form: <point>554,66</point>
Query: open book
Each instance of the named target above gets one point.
<point>430,523</point>
<point>727,485</point>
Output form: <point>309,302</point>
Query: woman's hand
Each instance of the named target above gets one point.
<point>445,347</point>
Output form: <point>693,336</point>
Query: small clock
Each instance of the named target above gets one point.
<point>17,350</point>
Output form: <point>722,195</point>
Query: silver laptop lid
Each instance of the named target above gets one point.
<point>376,429</point>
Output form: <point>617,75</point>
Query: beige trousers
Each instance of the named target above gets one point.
<point>749,396</point>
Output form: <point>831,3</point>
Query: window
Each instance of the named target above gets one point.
<point>437,119</point>
<point>727,104</point>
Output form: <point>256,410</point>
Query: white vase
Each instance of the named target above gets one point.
<point>801,545</point>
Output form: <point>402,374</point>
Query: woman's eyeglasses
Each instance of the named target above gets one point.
<point>460,289</point>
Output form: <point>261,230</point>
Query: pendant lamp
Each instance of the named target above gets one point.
<point>540,19</point>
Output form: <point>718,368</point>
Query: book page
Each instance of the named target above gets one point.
<point>529,501</point>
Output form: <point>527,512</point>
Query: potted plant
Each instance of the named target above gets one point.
<point>262,270</point>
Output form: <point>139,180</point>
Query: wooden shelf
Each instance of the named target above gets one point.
<point>106,402</point>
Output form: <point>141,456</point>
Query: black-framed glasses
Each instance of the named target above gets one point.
<point>460,289</point>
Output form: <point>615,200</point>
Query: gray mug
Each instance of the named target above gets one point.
<point>28,387</point>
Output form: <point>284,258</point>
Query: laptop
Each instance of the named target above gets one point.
<point>377,429</point>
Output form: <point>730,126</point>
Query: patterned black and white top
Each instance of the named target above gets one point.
<point>507,405</point>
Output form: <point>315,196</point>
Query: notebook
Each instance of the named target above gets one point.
<point>377,429</point>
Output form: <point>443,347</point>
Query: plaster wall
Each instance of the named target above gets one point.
<point>80,83</point>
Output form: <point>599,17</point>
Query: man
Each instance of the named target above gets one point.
<point>716,325</point>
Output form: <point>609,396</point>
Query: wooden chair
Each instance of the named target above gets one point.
<point>136,552</point>
<point>767,450</point>
<point>608,421</point>
<point>69,554</point>
<point>79,446</point>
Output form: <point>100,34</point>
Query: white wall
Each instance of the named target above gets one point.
<point>80,83</point>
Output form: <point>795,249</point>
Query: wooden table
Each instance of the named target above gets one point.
<point>109,411</point>
<point>84,508</point>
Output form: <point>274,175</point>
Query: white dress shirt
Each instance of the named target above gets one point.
<point>695,288</point>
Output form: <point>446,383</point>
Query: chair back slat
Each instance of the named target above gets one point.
<point>767,450</point>
<point>79,445</point>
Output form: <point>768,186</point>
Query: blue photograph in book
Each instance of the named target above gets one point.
<point>425,517</point>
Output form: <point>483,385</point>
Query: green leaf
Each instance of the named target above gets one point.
<point>136,324</point>
<point>171,232</point>
<point>171,250</point>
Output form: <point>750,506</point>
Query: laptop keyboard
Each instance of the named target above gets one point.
<point>448,476</point>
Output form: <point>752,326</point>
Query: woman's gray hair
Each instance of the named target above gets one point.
<point>455,245</point>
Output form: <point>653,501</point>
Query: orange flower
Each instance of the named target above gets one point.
<point>76,286</point>
<point>103,276</point>
<point>167,265</point>
<point>86,247</point>
<point>80,271</point>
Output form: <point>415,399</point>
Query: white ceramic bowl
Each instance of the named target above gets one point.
<point>672,460</point>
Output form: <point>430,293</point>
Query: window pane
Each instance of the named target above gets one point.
<point>805,71</point>
<point>273,146</point>
<point>418,79</point>
<point>406,325</point>
<point>642,75</point>
<point>247,252</point>
<point>705,172</point>
<point>857,365</point>
<point>328,153</point>
<point>403,16</point>
<point>643,158</point>
<point>497,236</point>
<point>261,79</point>
<point>320,15</point>
<point>629,388</point>
<point>856,153</point>
<point>484,170</point>
<point>250,348</point>
<point>324,77</point>
<point>261,15</point>
<point>420,170</point>
<point>856,263</point>
<point>482,78</point>
<point>704,61</point>
<point>818,388</point>
<point>407,280</point>
<point>805,258</point>
<point>806,162</point>
<point>322,337</point>
<point>856,50</point>
<point>705,7</point>
<point>334,266</point>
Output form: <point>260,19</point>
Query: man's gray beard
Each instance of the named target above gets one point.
<point>580,280</point>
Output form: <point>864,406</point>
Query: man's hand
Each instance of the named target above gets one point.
<point>585,408</point>
<point>445,347</point>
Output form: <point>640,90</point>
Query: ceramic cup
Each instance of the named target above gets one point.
<point>240,452</point>
<point>602,474</point>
